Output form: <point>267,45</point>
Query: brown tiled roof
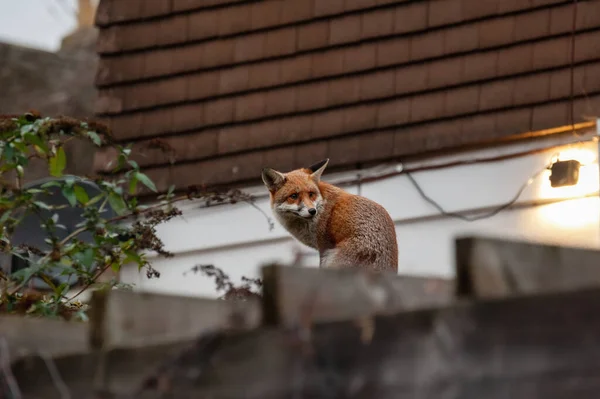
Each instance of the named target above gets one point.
<point>231,86</point>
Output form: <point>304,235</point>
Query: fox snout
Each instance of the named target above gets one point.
<point>307,212</point>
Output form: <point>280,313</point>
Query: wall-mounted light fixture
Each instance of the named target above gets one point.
<point>564,173</point>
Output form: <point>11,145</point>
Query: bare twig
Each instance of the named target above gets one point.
<point>60,385</point>
<point>13,386</point>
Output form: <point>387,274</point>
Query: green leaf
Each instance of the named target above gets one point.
<point>96,199</point>
<point>5,217</point>
<point>69,194</point>
<point>86,257</point>
<point>41,147</point>
<point>145,180</point>
<point>95,138</point>
<point>52,183</point>
<point>117,203</point>
<point>132,256</point>
<point>81,194</point>
<point>133,184</point>
<point>58,163</point>
<point>42,205</point>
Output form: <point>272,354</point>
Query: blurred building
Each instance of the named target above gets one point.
<point>476,97</point>
<point>60,83</point>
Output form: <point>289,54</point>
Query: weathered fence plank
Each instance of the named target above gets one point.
<point>22,336</point>
<point>297,295</point>
<point>491,267</point>
<point>545,346</point>
<point>122,319</point>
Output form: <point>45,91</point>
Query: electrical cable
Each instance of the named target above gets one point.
<point>487,215</point>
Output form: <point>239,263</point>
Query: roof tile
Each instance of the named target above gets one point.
<point>472,9</point>
<point>297,68</point>
<point>561,19</point>
<point>345,150</point>
<point>153,8</point>
<point>311,96</point>
<point>345,29</point>
<point>329,7</point>
<point>189,116</point>
<point>266,13</point>
<point>588,15</point>
<point>410,18</point>
<point>446,72</point>
<point>376,146</point>
<point>234,19</point>
<point>218,111</point>
<point>354,5</point>
<point>461,38</point>
<point>514,121</point>
<point>250,47</point>
<point>217,53</point>
<point>427,106</point>
<point>170,30</point>
<point>532,25</point>
<point>280,158</point>
<point>362,57</point>
<point>495,32</point>
<point>202,25</point>
<point>378,85</point>
<point>393,113</point>
<point>378,23</point>
<point>362,117</point>
<point>263,75</point>
<point>326,124</point>
<point>427,45</point>
<point>328,63</point>
<point>306,154</point>
<point>413,78</point>
<point>204,85</point>
<point>158,121</point>
<point>547,53</point>
<point>281,101</point>
<point>445,12</point>
<point>295,11</point>
<point>188,58</point>
<point>592,78</point>
<point>549,115</point>
<point>233,139</point>
<point>587,46</point>
<point>496,94</point>
<point>249,106</point>
<point>462,100</point>
<point>234,80</point>
<point>343,90</point>
<point>280,42</point>
<point>313,36</point>
<point>395,51</point>
<point>531,89</point>
<point>473,126</point>
<point>515,59</point>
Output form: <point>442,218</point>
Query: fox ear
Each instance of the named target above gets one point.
<point>318,169</point>
<point>272,179</point>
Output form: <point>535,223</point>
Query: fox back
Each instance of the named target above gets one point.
<point>348,230</point>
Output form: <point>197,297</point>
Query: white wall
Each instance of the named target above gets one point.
<point>237,239</point>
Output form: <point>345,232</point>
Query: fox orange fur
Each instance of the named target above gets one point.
<point>348,230</point>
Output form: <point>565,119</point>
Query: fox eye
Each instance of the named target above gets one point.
<point>312,194</point>
<point>294,196</point>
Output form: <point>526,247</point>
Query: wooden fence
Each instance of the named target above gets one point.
<point>520,321</point>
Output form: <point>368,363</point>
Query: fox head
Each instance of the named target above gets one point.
<point>296,194</point>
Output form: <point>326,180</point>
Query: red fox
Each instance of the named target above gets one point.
<point>348,230</point>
